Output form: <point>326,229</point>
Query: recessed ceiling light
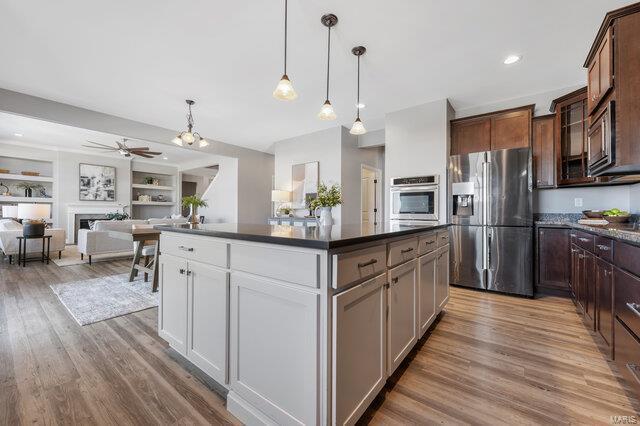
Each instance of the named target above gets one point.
<point>18,135</point>
<point>360,105</point>
<point>512,59</point>
<point>165,158</point>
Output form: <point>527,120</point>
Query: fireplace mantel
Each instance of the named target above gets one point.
<point>88,208</point>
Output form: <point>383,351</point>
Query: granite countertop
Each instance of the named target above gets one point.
<point>625,232</point>
<point>325,238</point>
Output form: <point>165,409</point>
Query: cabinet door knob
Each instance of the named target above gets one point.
<point>182,271</point>
<point>394,280</point>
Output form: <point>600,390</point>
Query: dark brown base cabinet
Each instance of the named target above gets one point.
<point>554,267</point>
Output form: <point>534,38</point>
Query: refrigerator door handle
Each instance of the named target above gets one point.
<point>489,238</point>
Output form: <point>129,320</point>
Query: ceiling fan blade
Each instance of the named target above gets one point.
<point>147,152</point>
<point>142,154</point>
<point>142,148</point>
<point>121,146</point>
<point>99,147</point>
<point>101,144</point>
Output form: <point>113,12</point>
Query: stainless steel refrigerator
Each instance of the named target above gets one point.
<point>490,209</point>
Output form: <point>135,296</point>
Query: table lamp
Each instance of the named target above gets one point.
<point>33,218</point>
<point>279,196</point>
<point>9,212</point>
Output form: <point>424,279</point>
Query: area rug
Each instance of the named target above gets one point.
<point>98,299</point>
<point>71,256</point>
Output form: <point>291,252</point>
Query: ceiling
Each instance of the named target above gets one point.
<point>141,59</point>
<point>46,135</point>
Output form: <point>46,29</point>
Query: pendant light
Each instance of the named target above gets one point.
<point>326,111</point>
<point>284,90</point>
<point>189,137</point>
<point>358,127</point>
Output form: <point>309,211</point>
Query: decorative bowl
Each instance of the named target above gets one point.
<point>593,214</point>
<point>617,219</point>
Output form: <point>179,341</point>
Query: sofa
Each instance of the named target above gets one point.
<point>97,240</point>
<point>10,229</point>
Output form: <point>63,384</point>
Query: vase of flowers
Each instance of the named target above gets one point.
<point>193,202</point>
<point>328,197</point>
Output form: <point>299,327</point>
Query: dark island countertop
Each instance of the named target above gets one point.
<point>325,238</point>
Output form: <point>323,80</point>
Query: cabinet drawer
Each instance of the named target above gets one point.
<point>427,243</point>
<point>203,249</point>
<point>604,248</point>
<point>443,238</point>
<point>627,354</point>
<point>627,257</point>
<point>297,267</point>
<point>627,296</point>
<point>401,251</point>
<point>585,240</point>
<point>358,265</point>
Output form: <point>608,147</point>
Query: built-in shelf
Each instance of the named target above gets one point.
<point>156,187</point>
<point>8,176</point>
<point>10,199</point>
<point>153,203</point>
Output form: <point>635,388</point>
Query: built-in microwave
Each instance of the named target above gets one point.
<point>414,198</point>
<point>601,142</point>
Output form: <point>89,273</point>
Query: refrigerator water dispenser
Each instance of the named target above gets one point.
<point>462,193</point>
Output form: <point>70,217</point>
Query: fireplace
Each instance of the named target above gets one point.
<point>87,212</point>
<point>83,221</point>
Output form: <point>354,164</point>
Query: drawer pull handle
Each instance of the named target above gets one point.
<point>183,248</point>
<point>584,240</point>
<point>444,237</point>
<point>371,262</point>
<point>603,247</point>
<point>573,235</point>
<point>635,308</point>
<point>408,250</point>
<point>429,242</point>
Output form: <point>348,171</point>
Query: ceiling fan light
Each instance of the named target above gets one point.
<point>203,142</point>
<point>284,90</point>
<point>188,138</point>
<point>358,128</point>
<point>326,111</point>
<point>177,140</point>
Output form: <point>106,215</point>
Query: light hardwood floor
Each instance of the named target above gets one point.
<point>492,359</point>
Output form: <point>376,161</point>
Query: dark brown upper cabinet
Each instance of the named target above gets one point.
<point>496,130</point>
<point>544,155</point>
<point>613,77</point>
<point>600,72</point>
<point>571,138</point>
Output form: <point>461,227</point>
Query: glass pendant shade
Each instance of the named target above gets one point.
<point>284,91</point>
<point>177,141</point>
<point>187,137</point>
<point>358,128</point>
<point>326,112</point>
<point>203,143</point>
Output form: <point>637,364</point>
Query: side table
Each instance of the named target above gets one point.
<point>22,249</point>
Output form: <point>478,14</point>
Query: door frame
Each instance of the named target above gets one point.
<point>378,192</point>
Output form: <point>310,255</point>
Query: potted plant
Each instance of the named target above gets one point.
<point>29,188</point>
<point>327,198</point>
<point>193,202</point>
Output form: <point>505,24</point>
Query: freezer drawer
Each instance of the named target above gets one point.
<point>466,251</point>
<point>509,259</point>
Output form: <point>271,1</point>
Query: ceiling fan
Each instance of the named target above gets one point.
<point>123,149</point>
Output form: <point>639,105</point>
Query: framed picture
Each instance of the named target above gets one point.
<point>97,183</point>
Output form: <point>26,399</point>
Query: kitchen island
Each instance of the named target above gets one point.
<point>301,325</point>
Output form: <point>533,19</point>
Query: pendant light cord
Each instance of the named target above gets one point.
<point>328,59</point>
<point>358,100</point>
<point>285,36</point>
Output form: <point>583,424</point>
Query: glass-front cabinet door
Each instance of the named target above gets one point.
<point>572,135</point>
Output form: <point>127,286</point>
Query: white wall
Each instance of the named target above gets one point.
<point>222,195</point>
<point>323,146</point>
<point>352,160</point>
<point>417,143</point>
<point>634,199</point>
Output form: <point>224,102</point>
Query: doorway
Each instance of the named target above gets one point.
<point>371,195</point>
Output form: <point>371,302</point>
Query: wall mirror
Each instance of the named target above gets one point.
<point>304,182</point>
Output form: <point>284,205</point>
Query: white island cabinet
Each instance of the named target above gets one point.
<point>302,326</point>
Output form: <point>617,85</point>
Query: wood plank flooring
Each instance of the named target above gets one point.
<point>492,359</point>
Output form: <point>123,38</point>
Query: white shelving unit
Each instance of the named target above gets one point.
<point>17,165</point>
<point>165,189</point>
